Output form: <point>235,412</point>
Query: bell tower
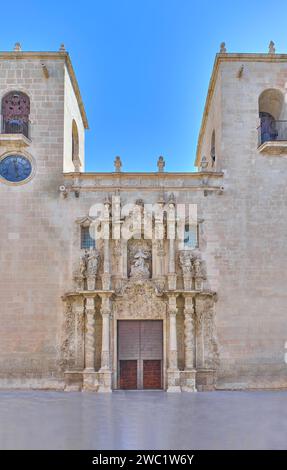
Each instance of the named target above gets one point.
<point>41,136</point>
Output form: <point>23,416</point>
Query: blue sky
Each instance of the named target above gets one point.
<point>143,66</point>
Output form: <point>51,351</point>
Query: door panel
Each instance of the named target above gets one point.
<point>128,375</point>
<point>129,339</point>
<point>152,374</point>
<point>140,354</point>
<point>151,339</point>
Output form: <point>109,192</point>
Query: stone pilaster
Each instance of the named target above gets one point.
<point>173,372</point>
<point>171,237</point>
<point>206,343</point>
<point>106,276</point>
<point>199,338</point>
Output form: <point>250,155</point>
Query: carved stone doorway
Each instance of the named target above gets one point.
<point>140,354</point>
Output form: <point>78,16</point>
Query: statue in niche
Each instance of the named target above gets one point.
<point>92,262</point>
<point>198,270</point>
<point>185,260</point>
<point>88,269</point>
<point>140,268</point>
<point>83,265</point>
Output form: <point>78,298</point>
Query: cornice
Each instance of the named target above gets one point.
<point>157,175</point>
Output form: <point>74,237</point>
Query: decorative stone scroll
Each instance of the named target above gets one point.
<point>72,341</point>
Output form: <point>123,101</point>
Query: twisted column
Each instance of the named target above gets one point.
<point>106,313</point>
<point>106,277</point>
<point>79,332</point>
<point>90,335</point>
<point>171,237</point>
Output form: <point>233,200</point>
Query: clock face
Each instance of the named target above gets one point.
<point>15,168</point>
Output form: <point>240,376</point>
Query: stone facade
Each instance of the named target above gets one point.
<point>221,301</point>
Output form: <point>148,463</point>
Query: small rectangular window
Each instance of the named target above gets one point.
<point>191,236</point>
<point>86,240</point>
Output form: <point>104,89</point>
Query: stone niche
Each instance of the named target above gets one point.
<point>139,258</point>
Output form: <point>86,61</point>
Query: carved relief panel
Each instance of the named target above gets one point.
<point>139,258</point>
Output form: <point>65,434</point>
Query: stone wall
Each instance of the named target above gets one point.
<point>35,256</point>
<point>248,225</point>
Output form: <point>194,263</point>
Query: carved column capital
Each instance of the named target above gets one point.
<point>172,308</point>
<point>106,304</point>
<point>188,305</point>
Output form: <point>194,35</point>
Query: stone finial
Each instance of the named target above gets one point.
<point>62,48</point>
<point>160,164</point>
<point>17,47</point>
<point>140,202</point>
<point>222,48</point>
<point>271,47</point>
<point>107,201</point>
<point>203,164</point>
<point>240,71</point>
<point>161,200</point>
<point>118,164</point>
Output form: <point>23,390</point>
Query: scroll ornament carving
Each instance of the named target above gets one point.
<point>67,350</point>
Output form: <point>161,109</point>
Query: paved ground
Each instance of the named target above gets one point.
<point>143,420</point>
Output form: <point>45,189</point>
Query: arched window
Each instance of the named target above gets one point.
<point>212,149</point>
<point>272,127</point>
<point>86,240</point>
<point>15,111</point>
<point>75,144</point>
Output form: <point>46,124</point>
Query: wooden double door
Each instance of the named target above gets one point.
<point>140,354</point>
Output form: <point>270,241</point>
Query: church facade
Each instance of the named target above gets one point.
<point>158,280</point>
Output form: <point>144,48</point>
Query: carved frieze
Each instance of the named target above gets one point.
<point>139,300</point>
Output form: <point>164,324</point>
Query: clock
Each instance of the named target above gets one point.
<point>15,168</point>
